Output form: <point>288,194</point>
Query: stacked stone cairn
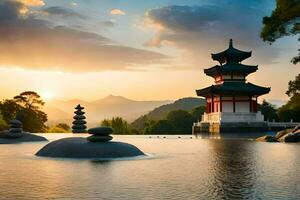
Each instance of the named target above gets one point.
<point>79,120</point>
<point>100,134</point>
<point>15,130</point>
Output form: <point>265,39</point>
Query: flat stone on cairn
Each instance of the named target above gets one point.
<point>100,134</point>
<point>79,120</point>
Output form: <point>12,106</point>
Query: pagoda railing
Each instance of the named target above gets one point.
<point>232,117</point>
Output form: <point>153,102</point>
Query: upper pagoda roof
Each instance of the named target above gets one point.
<point>231,55</point>
<point>233,88</point>
<point>234,68</point>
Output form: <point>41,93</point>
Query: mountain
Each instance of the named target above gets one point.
<point>161,112</point>
<point>59,111</point>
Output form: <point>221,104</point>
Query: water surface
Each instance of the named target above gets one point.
<point>179,168</point>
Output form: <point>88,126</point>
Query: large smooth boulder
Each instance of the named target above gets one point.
<point>266,138</point>
<point>290,137</point>
<point>77,147</point>
<point>282,133</point>
<point>25,137</point>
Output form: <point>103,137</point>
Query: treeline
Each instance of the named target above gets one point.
<point>176,122</point>
<point>289,111</point>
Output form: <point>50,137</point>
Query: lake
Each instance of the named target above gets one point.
<point>175,168</point>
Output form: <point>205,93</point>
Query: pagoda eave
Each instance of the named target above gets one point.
<point>230,69</point>
<point>233,89</point>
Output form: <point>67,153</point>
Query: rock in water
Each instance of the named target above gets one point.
<point>101,131</point>
<point>282,133</point>
<point>16,134</point>
<point>77,147</point>
<point>266,138</point>
<point>290,137</point>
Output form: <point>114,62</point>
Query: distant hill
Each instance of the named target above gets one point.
<point>108,107</point>
<point>161,112</point>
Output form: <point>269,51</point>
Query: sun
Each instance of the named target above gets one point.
<point>47,95</point>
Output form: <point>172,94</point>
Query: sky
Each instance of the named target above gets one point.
<point>143,50</point>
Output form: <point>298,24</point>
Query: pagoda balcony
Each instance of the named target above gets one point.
<point>221,117</point>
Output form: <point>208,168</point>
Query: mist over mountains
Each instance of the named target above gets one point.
<point>60,111</point>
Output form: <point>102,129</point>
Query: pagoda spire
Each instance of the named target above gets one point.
<point>230,43</point>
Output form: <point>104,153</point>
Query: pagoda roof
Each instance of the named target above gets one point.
<point>231,55</point>
<point>233,88</point>
<point>234,68</point>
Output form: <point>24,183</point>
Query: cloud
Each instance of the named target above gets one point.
<point>32,43</point>
<point>203,29</point>
<point>32,2</point>
<point>108,24</point>
<point>117,12</point>
<point>62,12</point>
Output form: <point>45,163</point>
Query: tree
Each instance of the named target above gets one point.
<point>291,110</point>
<point>160,127</point>
<point>30,100</point>
<point>119,125</point>
<point>3,124</point>
<point>106,122</point>
<point>268,110</point>
<point>284,21</point>
<point>197,112</point>
<point>181,121</point>
<point>63,126</point>
<point>294,87</point>
<point>9,109</point>
<point>33,120</point>
<point>26,108</point>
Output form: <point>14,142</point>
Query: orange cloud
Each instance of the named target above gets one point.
<point>117,12</point>
<point>32,2</point>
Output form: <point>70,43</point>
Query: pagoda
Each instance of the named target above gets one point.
<point>231,101</point>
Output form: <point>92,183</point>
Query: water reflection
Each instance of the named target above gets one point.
<point>233,171</point>
<point>180,169</point>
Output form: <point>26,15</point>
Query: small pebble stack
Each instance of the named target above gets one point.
<point>15,130</point>
<point>100,134</point>
<point>79,120</point>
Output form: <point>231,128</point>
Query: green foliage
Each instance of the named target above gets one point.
<point>33,120</point>
<point>268,110</point>
<point>9,109</point>
<point>176,122</point>
<point>159,127</point>
<point>26,108</point>
<point>64,126</point>
<point>181,121</point>
<point>3,124</point>
<point>284,21</point>
<point>197,112</point>
<point>161,112</point>
<point>294,87</point>
<point>30,100</point>
<point>119,125</point>
<point>291,110</point>
<point>56,129</point>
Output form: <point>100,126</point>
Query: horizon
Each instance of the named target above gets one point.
<point>141,51</point>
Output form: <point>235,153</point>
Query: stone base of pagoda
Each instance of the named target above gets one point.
<point>231,122</point>
<point>219,117</point>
